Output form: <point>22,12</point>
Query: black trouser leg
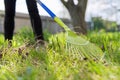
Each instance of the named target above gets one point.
<point>9,18</point>
<point>35,19</point>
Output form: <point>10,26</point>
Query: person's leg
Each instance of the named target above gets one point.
<point>9,18</point>
<point>35,19</point>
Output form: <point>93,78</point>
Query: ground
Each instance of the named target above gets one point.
<point>54,63</point>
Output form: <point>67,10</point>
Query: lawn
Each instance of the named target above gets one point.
<point>52,62</point>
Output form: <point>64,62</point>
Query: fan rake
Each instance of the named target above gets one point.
<point>76,45</point>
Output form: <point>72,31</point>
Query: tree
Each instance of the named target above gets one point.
<point>98,23</point>
<point>77,13</point>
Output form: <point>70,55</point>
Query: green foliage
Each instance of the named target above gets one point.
<point>25,35</point>
<point>100,23</point>
<point>57,42</point>
<point>47,35</point>
<point>54,63</point>
<point>109,43</point>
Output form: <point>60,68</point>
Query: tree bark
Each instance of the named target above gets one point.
<point>77,13</point>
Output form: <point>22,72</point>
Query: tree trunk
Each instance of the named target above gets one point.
<point>77,13</point>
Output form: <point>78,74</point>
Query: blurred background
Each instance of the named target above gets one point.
<point>84,15</point>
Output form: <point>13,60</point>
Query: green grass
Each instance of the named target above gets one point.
<point>54,63</point>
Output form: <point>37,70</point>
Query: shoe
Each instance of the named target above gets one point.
<point>40,45</point>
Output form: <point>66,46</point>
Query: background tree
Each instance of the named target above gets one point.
<point>77,12</point>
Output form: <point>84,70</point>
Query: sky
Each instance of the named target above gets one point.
<point>94,8</point>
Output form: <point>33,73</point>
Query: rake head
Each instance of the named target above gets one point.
<point>82,48</point>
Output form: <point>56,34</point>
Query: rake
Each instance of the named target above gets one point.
<point>76,45</point>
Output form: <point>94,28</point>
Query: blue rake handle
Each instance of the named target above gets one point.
<point>56,19</point>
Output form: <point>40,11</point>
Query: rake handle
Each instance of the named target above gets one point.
<point>56,19</point>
